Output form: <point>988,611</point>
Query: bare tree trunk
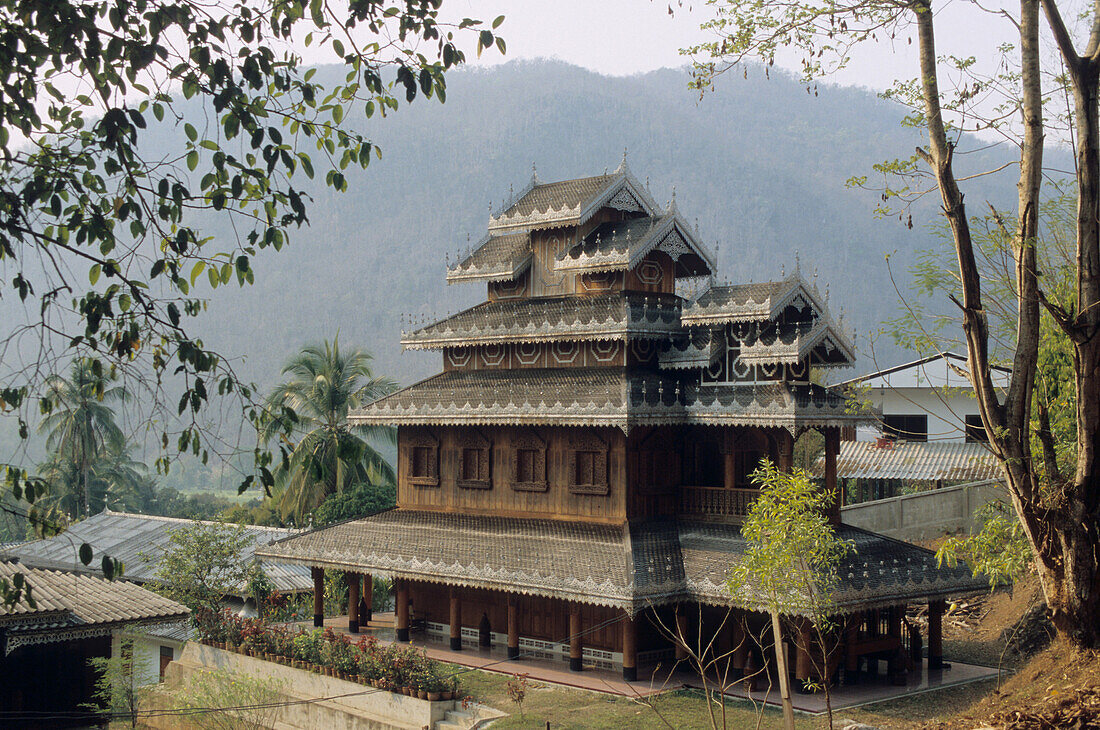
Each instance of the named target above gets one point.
<point>781,670</point>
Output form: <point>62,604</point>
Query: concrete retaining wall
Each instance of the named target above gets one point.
<point>925,515</point>
<point>352,705</point>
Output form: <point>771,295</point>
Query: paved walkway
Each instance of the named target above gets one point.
<point>654,681</point>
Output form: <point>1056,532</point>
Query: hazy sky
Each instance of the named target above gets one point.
<point>622,37</point>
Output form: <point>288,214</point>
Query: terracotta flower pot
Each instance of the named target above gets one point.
<point>435,696</point>
<point>446,694</point>
<point>422,694</point>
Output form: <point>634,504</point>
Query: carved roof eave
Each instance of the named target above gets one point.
<point>692,356</point>
<point>632,331</point>
<point>766,310</point>
<point>823,334</point>
<point>630,258</point>
<point>457,274</point>
<point>577,215</point>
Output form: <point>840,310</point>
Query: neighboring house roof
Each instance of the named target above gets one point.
<point>70,605</point>
<point>623,566</point>
<point>602,396</point>
<point>944,370</point>
<point>603,317</point>
<point>139,541</point>
<point>930,461</point>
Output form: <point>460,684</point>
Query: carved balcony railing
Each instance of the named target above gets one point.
<point>716,503</point>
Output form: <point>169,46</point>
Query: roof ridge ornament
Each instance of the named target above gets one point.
<point>534,175</point>
<point>622,168</point>
<point>672,201</point>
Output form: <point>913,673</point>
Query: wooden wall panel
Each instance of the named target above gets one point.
<point>557,502</point>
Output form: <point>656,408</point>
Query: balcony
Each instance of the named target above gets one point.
<point>716,504</point>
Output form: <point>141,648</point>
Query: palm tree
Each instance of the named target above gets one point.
<point>80,428</point>
<point>330,455</point>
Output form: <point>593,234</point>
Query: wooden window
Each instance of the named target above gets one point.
<point>704,460</point>
<point>422,452</point>
<point>975,431</point>
<point>165,658</point>
<point>529,463</point>
<point>473,460</point>
<point>907,428</point>
<point>588,465</point>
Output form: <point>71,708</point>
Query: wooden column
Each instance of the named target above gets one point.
<point>353,602</point>
<point>832,448</point>
<point>401,624</point>
<point>785,444</point>
<point>630,649</point>
<point>803,666</point>
<point>681,630</point>
<point>740,654</point>
<point>576,651</point>
<point>513,628</point>
<point>366,606</point>
<point>935,634</point>
<point>456,621</point>
<point>851,653</point>
<point>318,596</point>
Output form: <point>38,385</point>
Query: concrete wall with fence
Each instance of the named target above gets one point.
<point>925,515</point>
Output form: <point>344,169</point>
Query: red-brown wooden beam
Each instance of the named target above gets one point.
<point>630,649</point>
<point>935,634</point>
<point>513,628</point>
<point>803,666</point>
<point>740,644</point>
<point>401,594</point>
<point>318,596</point>
<point>576,650</point>
<point>366,605</point>
<point>353,602</point>
<point>456,621</point>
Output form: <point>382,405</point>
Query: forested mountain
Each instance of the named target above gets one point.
<point>761,164</point>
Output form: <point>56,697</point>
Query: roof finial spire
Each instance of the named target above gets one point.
<point>511,192</point>
<point>782,271</point>
<point>797,262</point>
<point>647,183</point>
<point>534,175</point>
<point>826,295</point>
<point>672,202</point>
<point>622,165</point>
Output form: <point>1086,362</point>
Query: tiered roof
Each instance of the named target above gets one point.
<point>630,566</point>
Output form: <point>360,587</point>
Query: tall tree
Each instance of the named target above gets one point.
<point>81,432</point>
<point>127,127</point>
<point>1061,520</point>
<point>326,454</point>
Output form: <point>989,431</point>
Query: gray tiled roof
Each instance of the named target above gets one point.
<point>69,600</point>
<point>630,567</point>
<point>920,461</point>
<point>548,203</point>
<point>603,317</point>
<point>139,541</point>
<point>600,397</point>
<point>794,341</point>
<point>623,244</point>
<point>700,349</point>
<point>748,302</point>
<point>499,258</point>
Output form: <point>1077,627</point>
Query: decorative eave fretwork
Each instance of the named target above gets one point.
<point>698,350</point>
<point>603,397</point>
<point>573,202</point>
<point>572,319</point>
<point>751,302</point>
<point>797,341</point>
<point>623,245</point>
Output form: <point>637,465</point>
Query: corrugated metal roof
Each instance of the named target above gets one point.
<point>913,460</point>
<point>139,541</point>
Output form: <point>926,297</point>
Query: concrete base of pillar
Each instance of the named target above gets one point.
<point>403,635</point>
<point>630,674</point>
<point>318,620</point>
<point>456,643</point>
<point>513,652</point>
<point>576,664</point>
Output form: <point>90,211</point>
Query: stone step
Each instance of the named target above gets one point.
<point>459,716</point>
<point>449,725</point>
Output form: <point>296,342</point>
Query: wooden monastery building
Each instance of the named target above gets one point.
<point>574,479</point>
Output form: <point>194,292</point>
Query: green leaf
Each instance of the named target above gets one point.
<point>94,272</point>
<point>496,23</point>
<point>190,131</point>
<point>85,553</point>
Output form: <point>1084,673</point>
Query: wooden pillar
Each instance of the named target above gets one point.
<point>353,602</point>
<point>935,634</point>
<point>513,627</point>
<point>366,603</point>
<point>318,596</point>
<point>803,665</point>
<point>851,653</point>
<point>785,444</point>
<point>456,621</point>
<point>576,651</point>
<point>740,655</point>
<point>681,629</point>
<point>401,624</point>
<point>630,648</point>
<point>832,448</point>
